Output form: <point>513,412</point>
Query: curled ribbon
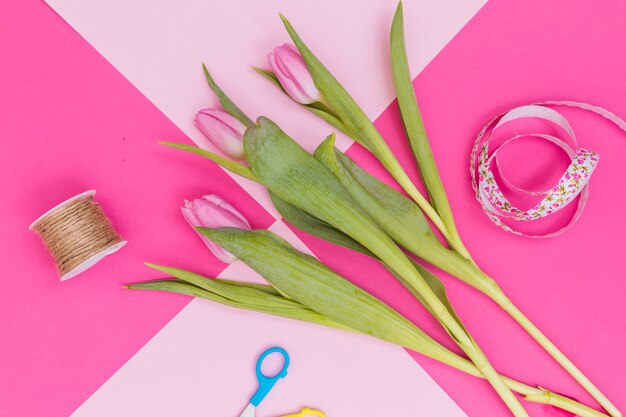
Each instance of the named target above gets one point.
<point>572,184</point>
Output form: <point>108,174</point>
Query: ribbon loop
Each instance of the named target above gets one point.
<point>573,184</point>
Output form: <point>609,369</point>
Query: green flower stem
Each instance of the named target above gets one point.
<point>507,305</point>
<point>426,294</point>
<point>474,276</point>
<point>564,403</point>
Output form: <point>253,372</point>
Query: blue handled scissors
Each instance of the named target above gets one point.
<point>266,383</point>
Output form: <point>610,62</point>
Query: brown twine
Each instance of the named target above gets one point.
<point>76,231</point>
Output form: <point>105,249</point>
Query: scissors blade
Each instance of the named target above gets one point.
<point>249,411</point>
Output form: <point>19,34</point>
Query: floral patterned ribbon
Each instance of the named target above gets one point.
<point>572,184</point>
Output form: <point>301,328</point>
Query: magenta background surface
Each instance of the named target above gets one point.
<point>69,121</point>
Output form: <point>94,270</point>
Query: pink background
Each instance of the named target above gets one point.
<point>71,122</point>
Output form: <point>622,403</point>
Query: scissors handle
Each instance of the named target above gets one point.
<point>307,412</point>
<point>266,383</point>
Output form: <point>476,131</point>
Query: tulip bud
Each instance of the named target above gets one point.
<point>212,211</point>
<point>293,74</point>
<point>223,131</point>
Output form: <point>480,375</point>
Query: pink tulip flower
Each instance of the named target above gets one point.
<point>293,75</point>
<point>223,130</point>
<point>213,211</point>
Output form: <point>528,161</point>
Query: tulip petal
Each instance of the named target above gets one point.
<point>223,130</point>
<point>288,84</point>
<point>293,74</point>
<point>227,207</point>
<point>189,214</point>
<point>298,70</point>
<point>213,211</point>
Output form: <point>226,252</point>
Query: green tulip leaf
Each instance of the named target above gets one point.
<point>226,102</point>
<point>298,178</point>
<point>305,314</point>
<point>295,176</point>
<point>394,213</point>
<point>383,323</point>
<point>370,193</point>
<point>321,111</point>
<point>308,223</point>
<point>243,291</point>
<point>269,75</point>
<point>310,283</point>
<point>230,165</point>
<point>440,290</point>
<point>314,226</point>
<point>294,311</point>
<point>414,125</point>
<point>181,287</point>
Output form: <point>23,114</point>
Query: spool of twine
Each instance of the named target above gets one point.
<point>78,234</point>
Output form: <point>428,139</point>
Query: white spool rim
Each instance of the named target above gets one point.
<point>91,261</point>
<point>58,206</point>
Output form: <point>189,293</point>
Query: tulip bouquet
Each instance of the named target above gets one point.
<point>330,196</point>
